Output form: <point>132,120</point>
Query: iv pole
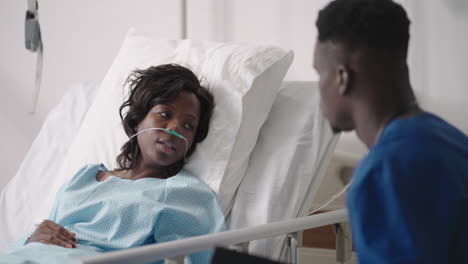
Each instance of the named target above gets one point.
<point>33,42</point>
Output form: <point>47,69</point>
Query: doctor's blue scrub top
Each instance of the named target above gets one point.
<point>121,213</point>
<point>408,202</point>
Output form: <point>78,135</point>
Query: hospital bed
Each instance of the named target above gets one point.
<point>265,156</point>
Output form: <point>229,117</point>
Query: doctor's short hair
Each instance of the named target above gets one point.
<point>159,85</point>
<point>380,25</point>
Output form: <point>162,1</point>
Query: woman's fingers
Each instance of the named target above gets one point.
<point>56,239</point>
<point>51,233</point>
<point>65,240</point>
<point>61,244</point>
<point>53,240</point>
<point>58,228</point>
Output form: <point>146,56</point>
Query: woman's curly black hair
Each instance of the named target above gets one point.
<point>158,85</point>
<point>375,24</point>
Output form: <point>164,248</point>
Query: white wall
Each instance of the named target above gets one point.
<point>81,38</point>
<point>288,24</point>
<point>438,57</point>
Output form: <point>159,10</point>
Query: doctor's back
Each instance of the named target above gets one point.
<point>410,195</point>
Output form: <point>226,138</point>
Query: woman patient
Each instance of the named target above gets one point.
<point>149,198</point>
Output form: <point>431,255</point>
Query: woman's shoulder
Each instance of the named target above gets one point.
<point>186,181</point>
<point>87,172</point>
<point>92,169</point>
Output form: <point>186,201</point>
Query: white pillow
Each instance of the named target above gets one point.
<point>244,80</point>
<point>44,158</point>
<point>287,165</point>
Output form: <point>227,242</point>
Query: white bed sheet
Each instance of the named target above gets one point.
<point>46,154</point>
<point>287,165</point>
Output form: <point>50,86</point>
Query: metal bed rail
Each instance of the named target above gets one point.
<point>187,246</point>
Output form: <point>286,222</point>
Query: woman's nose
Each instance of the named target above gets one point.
<point>174,126</point>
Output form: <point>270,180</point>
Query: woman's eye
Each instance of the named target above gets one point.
<point>189,126</point>
<point>164,114</point>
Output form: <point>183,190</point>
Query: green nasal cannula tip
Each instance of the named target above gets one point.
<point>174,133</point>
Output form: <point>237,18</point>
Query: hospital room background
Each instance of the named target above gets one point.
<point>81,39</point>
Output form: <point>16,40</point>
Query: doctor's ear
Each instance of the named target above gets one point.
<point>344,76</point>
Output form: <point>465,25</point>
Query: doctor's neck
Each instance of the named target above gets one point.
<point>383,98</point>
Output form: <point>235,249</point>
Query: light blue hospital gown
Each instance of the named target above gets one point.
<point>121,213</point>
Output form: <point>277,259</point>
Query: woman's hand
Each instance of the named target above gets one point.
<point>51,233</point>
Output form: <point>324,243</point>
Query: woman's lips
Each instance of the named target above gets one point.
<point>166,146</point>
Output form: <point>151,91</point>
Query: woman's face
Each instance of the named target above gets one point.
<point>159,148</point>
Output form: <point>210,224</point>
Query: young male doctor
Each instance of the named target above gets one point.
<point>408,202</point>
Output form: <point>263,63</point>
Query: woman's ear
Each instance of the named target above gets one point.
<point>136,127</point>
